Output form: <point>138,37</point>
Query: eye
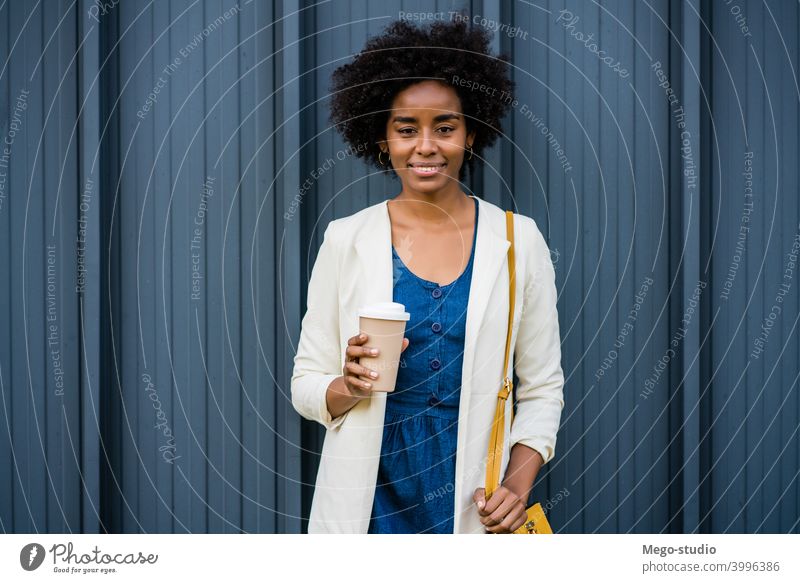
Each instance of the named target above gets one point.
<point>405,131</point>
<point>446,129</point>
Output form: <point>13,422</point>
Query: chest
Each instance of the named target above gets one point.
<point>437,257</point>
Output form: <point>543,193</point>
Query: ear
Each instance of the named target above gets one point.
<point>471,138</point>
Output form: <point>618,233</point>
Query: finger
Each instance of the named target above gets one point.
<point>499,514</point>
<point>357,339</point>
<point>494,526</point>
<point>479,499</point>
<point>496,529</point>
<point>523,518</point>
<point>358,383</point>
<point>359,370</point>
<point>497,498</point>
<point>490,520</point>
<point>354,351</point>
<point>509,524</point>
<point>368,351</point>
<point>406,342</point>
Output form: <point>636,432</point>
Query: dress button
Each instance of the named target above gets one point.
<point>433,401</point>
<point>437,293</point>
<point>436,327</point>
<point>435,364</point>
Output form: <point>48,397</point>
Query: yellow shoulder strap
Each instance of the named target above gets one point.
<point>495,454</point>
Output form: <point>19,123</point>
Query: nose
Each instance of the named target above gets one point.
<point>426,145</point>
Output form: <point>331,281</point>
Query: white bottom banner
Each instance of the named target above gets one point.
<point>354,558</point>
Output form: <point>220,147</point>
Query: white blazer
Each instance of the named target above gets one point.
<point>353,268</point>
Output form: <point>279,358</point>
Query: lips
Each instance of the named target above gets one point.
<point>426,168</point>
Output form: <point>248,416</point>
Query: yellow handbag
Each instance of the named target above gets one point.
<point>537,521</point>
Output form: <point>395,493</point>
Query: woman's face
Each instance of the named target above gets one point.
<point>426,137</point>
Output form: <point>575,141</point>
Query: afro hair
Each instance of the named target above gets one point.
<point>450,52</point>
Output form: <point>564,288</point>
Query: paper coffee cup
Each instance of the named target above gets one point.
<point>384,323</point>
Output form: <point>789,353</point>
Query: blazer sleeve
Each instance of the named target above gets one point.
<point>318,360</point>
<point>537,353</point>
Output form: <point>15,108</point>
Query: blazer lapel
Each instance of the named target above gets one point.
<point>490,257</point>
<point>374,248</point>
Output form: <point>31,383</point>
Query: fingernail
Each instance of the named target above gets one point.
<point>480,505</point>
<point>373,374</point>
<point>374,351</point>
<point>368,385</point>
<point>361,337</point>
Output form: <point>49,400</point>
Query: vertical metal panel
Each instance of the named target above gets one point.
<point>131,167</point>
<point>263,166</point>
<point>260,318</point>
<point>288,101</point>
<point>27,382</point>
<point>754,430</point>
<point>688,384</point>
<point>84,156</point>
<point>49,441</point>
<point>112,431</point>
<point>781,509</point>
<point>7,458</point>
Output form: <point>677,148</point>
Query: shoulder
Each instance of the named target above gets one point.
<point>528,237</point>
<point>338,229</point>
<point>530,244</point>
<point>533,238</point>
<point>497,216</point>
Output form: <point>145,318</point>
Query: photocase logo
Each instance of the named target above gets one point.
<point>31,556</point>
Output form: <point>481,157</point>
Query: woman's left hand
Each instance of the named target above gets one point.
<point>503,513</point>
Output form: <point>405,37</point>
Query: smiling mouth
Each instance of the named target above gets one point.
<point>426,169</point>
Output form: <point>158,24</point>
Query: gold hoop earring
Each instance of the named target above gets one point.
<point>381,153</point>
<point>470,153</point>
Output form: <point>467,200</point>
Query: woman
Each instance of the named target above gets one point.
<point>429,102</point>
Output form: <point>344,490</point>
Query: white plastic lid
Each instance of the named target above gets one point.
<point>385,311</point>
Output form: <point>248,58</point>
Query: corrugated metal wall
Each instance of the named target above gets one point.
<point>50,265</point>
<point>174,169</point>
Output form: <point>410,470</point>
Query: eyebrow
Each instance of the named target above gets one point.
<point>438,118</point>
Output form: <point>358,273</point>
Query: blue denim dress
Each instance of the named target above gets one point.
<point>414,492</point>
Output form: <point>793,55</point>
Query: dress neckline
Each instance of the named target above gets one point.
<point>469,263</point>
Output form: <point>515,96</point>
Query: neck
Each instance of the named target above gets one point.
<point>434,206</point>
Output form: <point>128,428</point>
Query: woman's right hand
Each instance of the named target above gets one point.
<point>352,369</point>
